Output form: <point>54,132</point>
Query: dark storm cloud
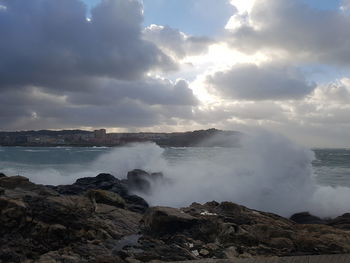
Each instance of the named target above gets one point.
<point>264,82</point>
<point>149,91</point>
<point>43,42</point>
<point>35,109</point>
<point>303,32</point>
<point>58,69</point>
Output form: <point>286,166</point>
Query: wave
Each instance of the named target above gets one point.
<point>268,172</point>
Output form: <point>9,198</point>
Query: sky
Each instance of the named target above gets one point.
<point>178,65</point>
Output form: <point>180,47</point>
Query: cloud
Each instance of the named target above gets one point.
<point>299,31</point>
<point>175,42</point>
<point>33,107</point>
<point>264,82</point>
<point>345,5</point>
<point>60,70</point>
<point>148,90</point>
<point>48,42</point>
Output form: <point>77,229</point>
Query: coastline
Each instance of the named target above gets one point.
<point>98,219</point>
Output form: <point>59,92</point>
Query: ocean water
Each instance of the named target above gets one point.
<point>267,173</point>
<point>330,167</point>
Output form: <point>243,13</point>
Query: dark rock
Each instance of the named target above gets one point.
<point>139,180</point>
<point>15,181</point>
<point>166,220</point>
<point>2,175</point>
<point>102,181</point>
<point>106,197</point>
<point>307,218</point>
<point>105,182</point>
<point>135,203</point>
<point>342,222</point>
<point>32,226</point>
<point>37,224</point>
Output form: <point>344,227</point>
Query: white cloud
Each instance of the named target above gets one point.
<point>176,43</point>
<point>345,5</point>
<point>303,33</point>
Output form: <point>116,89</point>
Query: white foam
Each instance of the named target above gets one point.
<point>268,173</point>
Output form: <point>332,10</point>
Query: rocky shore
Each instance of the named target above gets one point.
<point>99,220</point>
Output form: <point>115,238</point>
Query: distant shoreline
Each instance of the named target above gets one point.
<point>100,138</point>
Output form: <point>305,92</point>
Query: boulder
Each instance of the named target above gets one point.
<point>106,197</point>
<point>105,182</point>
<point>307,218</point>
<point>166,220</point>
<point>15,182</point>
<point>139,180</point>
<point>342,222</point>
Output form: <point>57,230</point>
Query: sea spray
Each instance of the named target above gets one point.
<point>267,172</point>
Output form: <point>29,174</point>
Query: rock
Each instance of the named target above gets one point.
<point>282,242</point>
<point>166,220</point>
<point>204,252</point>
<point>135,203</point>
<point>342,222</point>
<point>32,226</point>
<point>231,252</point>
<point>106,197</point>
<point>101,181</point>
<point>105,182</point>
<point>14,182</point>
<point>38,224</point>
<point>2,175</point>
<point>2,191</point>
<point>140,181</point>
<point>212,246</point>
<point>307,218</point>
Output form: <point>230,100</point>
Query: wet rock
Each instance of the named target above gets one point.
<point>140,181</point>
<point>105,182</point>
<point>101,181</point>
<point>59,228</point>
<point>38,224</point>
<point>307,218</point>
<point>166,220</point>
<point>135,203</point>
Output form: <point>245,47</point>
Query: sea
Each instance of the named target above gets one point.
<point>330,166</point>
<point>276,177</point>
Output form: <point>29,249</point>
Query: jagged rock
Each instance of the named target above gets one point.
<point>34,226</point>
<point>139,180</point>
<point>37,224</point>
<point>166,220</point>
<point>104,182</point>
<point>15,181</point>
<point>307,218</point>
<point>342,222</point>
<point>106,197</point>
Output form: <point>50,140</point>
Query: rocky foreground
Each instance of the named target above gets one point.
<point>98,220</point>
